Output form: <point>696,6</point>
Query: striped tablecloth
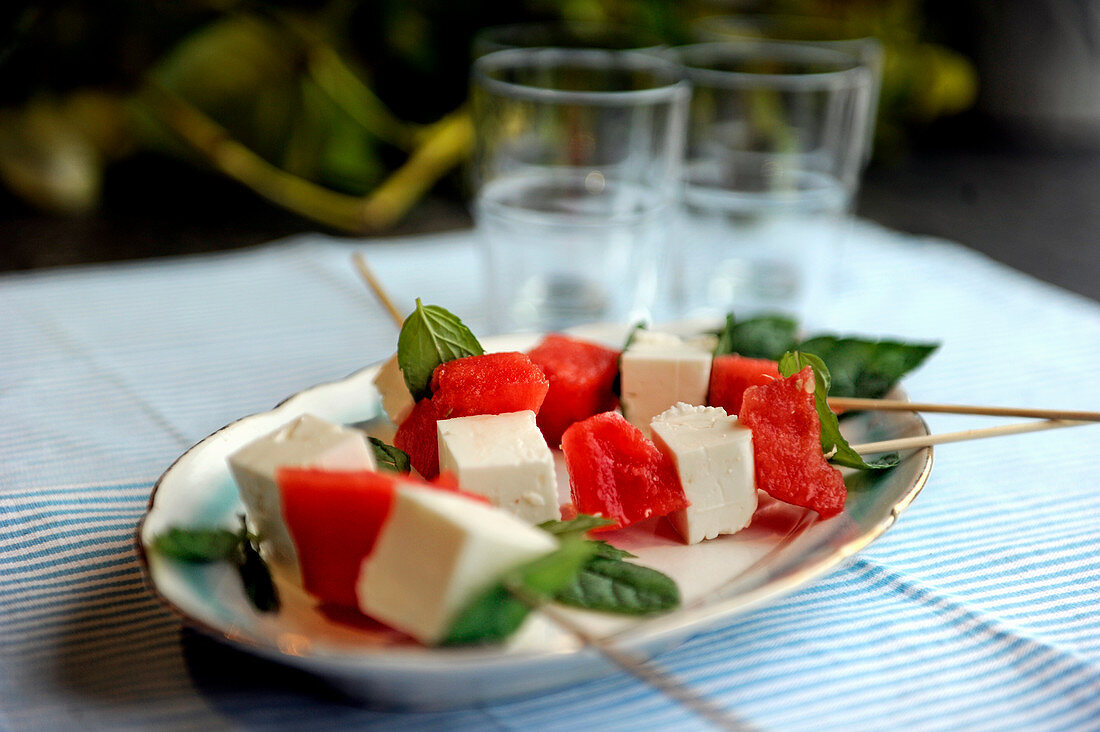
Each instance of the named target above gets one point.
<point>979,610</point>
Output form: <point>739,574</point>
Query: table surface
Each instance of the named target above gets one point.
<point>1035,210</point>
<point>976,611</point>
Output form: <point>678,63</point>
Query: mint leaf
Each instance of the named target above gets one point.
<point>254,573</point>
<point>866,368</point>
<point>214,545</point>
<point>606,582</point>
<point>617,384</point>
<point>389,457</point>
<point>612,585</point>
<point>609,551</point>
<point>497,612</point>
<point>579,526</point>
<point>767,336</point>
<point>197,545</point>
<point>640,325</point>
<point>430,336</point>
<point>833,443</point>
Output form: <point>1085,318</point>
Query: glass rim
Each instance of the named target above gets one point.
<point>769,22</point>
<point>500,36</point>
<point>850,71</point>
<point>672,82</point>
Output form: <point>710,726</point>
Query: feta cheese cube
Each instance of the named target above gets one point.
<point>504,458</point>
<point>306,442</point>
<point>435,553</point>
<point>713,456</point>
<point>659,370</point>
<point>396,399</point>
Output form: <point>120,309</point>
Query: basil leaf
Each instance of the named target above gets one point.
<point>579,526</point>
<point>611,585</point>
<point>197,545</point>
<point>389,457</point>
<point>255,575</point>
<point>768,336</point>
<point>430,336</point>
<point>497,612</point>
<point>866,368</point>
<point>833,443</point>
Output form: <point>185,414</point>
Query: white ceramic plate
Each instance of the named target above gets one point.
<point>783,549</point>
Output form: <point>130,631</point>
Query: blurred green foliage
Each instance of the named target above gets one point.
<point>345,112</point>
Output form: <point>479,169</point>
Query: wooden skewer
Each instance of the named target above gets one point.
<point>376,287</point>
<point>892,405</point>
<point>915,443</point>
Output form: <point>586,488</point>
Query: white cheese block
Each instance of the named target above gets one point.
<point>396,399</point>
<point>435,553</point>
<point>306,442</point>
<point>503,457</point>
<point>659,370</point>
<point>713,456</point>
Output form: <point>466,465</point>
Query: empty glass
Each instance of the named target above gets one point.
<point>775,149</point>
<point>577,168</point>
<point>825,32</point>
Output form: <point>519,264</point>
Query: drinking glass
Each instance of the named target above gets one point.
<point>825,32</point>
<point>577,165</point>
<point>774,156</point>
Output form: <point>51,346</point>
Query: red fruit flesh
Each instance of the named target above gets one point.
<point>495,383</point>
<point>581,376</point>
<point>615,472</point>
<point>786,441</point>
<point>731,375</point>
<point>334,518</point>
<point>417,437</point>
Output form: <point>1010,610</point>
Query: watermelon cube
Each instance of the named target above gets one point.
<point>786,440</point>
<point>731,375</point>
<point>417,437</point>
<point>581,375</point>
<point>494,383</point>
<point>615,472</point>
<point>334,517</point>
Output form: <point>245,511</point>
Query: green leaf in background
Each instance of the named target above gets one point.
<point>860,367</point>
<point>866,368</point>
<point>833,443</point>
<point>240,70</point>
<point>612,585</point>
<point>768,336</point>
<point>389,457</point>
<point>255,575</point>
<point>197,545</point>
<point>430,336</point>
<point>498,611</point>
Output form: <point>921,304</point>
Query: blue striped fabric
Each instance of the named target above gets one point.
<point>977,611</point>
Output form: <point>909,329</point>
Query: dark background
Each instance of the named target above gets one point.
<point>1017,176</point>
